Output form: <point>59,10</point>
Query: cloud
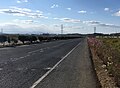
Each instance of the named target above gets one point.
<point>73,27</point>
<point>56,25</point>
<point>26,28</point>
<point>56,18</point>
<point>67,26</point>
<point>38,11</point>
<point>54,6</point>
<point>20,9</point>
<point>24,21</point>
<point>98,23</point>
<point>82,12</point>
<point>9,27</point>
<point>69,9</point>
<point>117,13</point>
<point>92,22</point>
<point>15,11</point>
<point>109,25</point>
<point>70,20</point>
<point>106,9</point>
<point>18,1</point>
<point>28,21</point>
<point>21,1</point>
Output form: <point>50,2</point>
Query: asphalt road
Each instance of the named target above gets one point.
<point>75,71</point>
<point>21,66</point>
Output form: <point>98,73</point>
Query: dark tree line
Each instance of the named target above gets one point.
<point>29,38</point>
<point>4,38</point>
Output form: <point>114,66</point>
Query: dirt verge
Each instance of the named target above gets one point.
<point>105,80</point>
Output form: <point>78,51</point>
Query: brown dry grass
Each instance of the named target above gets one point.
<point>102,73</point>
<point>106,59</point>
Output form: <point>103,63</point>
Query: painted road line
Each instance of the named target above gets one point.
<point>48,72</point>
<point>23,45</point>
<point>1,69</point>
<point>41,50</point>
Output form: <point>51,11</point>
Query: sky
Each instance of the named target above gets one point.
<point>47,16</point>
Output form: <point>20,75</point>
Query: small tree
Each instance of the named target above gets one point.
<point>32,38</point>
<point>22,38</point>
<point>3,39</point>
<point>40,38</point>
<point>15,41</point>
<point>9,40</point>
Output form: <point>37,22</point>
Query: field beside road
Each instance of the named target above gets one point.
<point>108,52</point>
<point>114,43</point>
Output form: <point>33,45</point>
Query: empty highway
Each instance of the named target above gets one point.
<point>24,66</point>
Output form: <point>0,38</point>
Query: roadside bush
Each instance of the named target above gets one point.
<point>22,38</point>
<point>40,38</point>
<point>9,40</point>
<point>32,38</point>
<point>15,41</point>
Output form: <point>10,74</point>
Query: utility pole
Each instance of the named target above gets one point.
<point>94,30</point>
<point>1,31</point>
<point>61,28</point>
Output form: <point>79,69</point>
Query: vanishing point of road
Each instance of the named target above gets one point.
<point>55,64</point>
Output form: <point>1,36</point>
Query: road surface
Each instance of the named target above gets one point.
<point>22,66</point>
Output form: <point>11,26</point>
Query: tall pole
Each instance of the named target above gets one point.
<point>1,31</point>
<point>94,30</point>
<point>61,28</point>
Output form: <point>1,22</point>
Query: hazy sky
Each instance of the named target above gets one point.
<point>77,16</point>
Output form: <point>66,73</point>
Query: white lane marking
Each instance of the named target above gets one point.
<point>33,51</point>
<point>15,59</point>
<point>41,50</point>
<point>4,48</point>
<point>36,51</point>
<point>48,68</point>
<point>1,69</point>
<point>48,72</point>
<point>23,45</point>
<point>28,55</point>
<point>21,57</point>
